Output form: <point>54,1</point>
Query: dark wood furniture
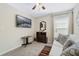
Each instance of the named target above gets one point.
<point>41,37</point>
<point>25,38</point>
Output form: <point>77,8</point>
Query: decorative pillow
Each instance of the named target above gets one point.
<point>71,51</point>
<point>74,37</point>
<point>62,38</point>
<point>67,44</point>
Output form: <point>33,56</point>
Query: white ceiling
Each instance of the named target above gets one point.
<point>50,8</point>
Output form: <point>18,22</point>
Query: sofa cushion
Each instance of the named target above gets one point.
<point>74,38</point>
<point>72,51</point>
<point>62,38</point>
<point>71,40</point>
<point>68,43</point>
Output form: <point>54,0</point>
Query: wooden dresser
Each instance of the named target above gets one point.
<point>41,37</point>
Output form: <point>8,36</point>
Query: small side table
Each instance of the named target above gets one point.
<point>25,38</point>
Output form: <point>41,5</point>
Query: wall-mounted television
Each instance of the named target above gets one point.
<point>23,22</point>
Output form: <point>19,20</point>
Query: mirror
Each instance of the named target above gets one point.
<point>42,26</point>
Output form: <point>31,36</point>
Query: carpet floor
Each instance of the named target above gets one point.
<point>33,49</point>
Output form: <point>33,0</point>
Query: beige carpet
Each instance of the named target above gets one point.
<point>30,50</point>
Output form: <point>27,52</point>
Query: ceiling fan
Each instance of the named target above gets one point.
<point>39,5</point>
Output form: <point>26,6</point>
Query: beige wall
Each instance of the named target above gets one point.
<point>49,26</point>
<point>10,35</point>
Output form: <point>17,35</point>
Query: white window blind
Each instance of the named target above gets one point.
<point>61,24</point>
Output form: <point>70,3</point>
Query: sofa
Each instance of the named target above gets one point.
<point>56,49</point>
<point>63,49</point>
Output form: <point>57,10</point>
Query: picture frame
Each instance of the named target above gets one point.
<point>42,25</point>
<point>23,22</point>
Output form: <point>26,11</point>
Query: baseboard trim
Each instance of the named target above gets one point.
<point>9,50</point>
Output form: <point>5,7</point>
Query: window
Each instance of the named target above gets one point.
<point>61,23</point>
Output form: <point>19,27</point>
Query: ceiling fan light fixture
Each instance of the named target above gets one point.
<point>43,8</point>
<point>34,7</point>
<point>38,5</point>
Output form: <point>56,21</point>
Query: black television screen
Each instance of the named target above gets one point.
<point>23,22</point>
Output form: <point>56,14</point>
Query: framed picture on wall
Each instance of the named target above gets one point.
<point>42,25</point>
<point>23,22</point>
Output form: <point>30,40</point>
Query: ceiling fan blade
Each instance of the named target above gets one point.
<point>34,7</point>
<point>43,8</point>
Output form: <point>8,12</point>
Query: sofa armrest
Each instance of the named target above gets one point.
<point>56,49</point>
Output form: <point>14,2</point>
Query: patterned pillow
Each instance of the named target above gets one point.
<point>67,44</point>
<point>71,51</point>
<point>62,38</point>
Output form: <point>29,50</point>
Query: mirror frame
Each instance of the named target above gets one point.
<point>42,25</point>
